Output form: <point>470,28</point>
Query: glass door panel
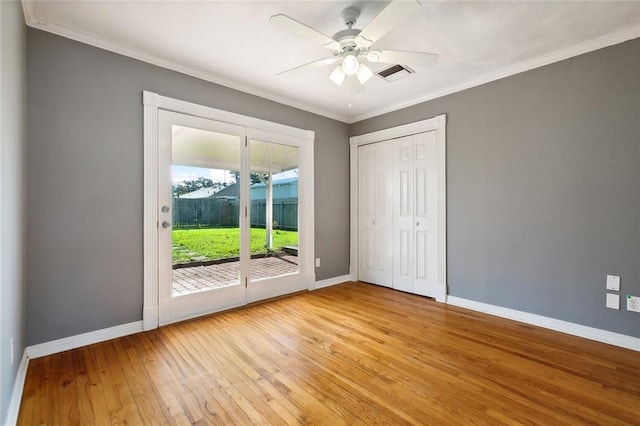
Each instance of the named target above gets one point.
<point>200,216</point>
<point>206,210</point>
<point>274,210</point>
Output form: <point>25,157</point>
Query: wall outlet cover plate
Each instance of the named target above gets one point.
<point>613,301</point>
<point>613,282</point>
<point>633,303</point>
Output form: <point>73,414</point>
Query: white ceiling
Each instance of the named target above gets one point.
<point>233,43</point>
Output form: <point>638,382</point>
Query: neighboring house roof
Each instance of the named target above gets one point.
<point>200,193</point>
<point>232,190</point>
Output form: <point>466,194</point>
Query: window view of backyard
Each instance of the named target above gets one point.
<point>206,230</point>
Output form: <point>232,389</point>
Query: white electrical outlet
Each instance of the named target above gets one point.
<point>317,262</point>
<point>633,303</point>
<point>613,282</point>
<point>613,301</point>
<point>11,344</point>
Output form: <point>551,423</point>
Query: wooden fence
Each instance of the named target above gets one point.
<point>222,212</point>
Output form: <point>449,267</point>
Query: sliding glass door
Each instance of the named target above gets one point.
<point>230,229</point>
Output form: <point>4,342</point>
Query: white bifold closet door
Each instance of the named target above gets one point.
<point>375,163</point>
<point>415,223</point>
<point>397,208</point>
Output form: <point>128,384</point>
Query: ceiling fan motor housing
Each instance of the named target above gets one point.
<point>346,39</point>
<point>350,15</point>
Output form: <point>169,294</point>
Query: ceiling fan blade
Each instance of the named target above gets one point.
<point>419,60</point>
<point>300,29</point>
<point>390,17</point>
<point>310,65</point>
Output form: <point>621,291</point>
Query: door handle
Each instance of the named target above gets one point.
<point>166,224</point>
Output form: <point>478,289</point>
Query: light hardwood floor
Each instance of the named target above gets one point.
<point>349,354</point>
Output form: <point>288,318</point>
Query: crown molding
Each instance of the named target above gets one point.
<point>27,9</point>
<point>621,36</point>
<point>530,64</point>
<point>95,41</point>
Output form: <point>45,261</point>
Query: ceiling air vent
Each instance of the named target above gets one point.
<point>395,72</point>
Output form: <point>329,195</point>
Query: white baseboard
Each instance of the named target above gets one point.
<point>16,395</point>
<point>332,281</point>
<point>591,333</point>
<point>72,342</point>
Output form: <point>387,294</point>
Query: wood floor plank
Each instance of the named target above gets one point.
<point>348,354</point>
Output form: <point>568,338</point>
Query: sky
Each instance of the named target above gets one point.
<point>183,173</point>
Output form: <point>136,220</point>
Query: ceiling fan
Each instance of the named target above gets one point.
<point>351,47</point>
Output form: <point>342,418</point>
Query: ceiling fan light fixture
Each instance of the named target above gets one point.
<point>363,73</point>
<point>338,75</point>
<point>350,64</point>
<point>374,56</point>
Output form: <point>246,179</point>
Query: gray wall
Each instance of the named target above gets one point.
<point>85,181</point>
<point>13,116</point>
<point>543,187</point>
<point>543,184</point>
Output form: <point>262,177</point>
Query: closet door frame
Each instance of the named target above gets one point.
<point>437,124</point>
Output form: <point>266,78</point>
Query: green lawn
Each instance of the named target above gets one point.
<point>206,244</point>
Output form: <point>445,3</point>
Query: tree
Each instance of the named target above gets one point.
<point>255,177</point>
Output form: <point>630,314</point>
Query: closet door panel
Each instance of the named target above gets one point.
<point>422,259</point>
<point>375,218</point>
<point>425,231</point>
<point>366,212</point>
<point>383,212</point>
<point>403,205</point>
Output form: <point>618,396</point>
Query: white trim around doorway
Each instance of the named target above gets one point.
<point>438,124</point>
<point>153,102</point>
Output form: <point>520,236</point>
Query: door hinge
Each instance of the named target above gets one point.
<point>245,211</point>
<point>246,141</point>
<point>246,282</point>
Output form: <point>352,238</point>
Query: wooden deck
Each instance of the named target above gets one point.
<point>348,354</point>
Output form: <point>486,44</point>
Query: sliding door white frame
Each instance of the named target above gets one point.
<point>154,102</point>
<point>438,124</point>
